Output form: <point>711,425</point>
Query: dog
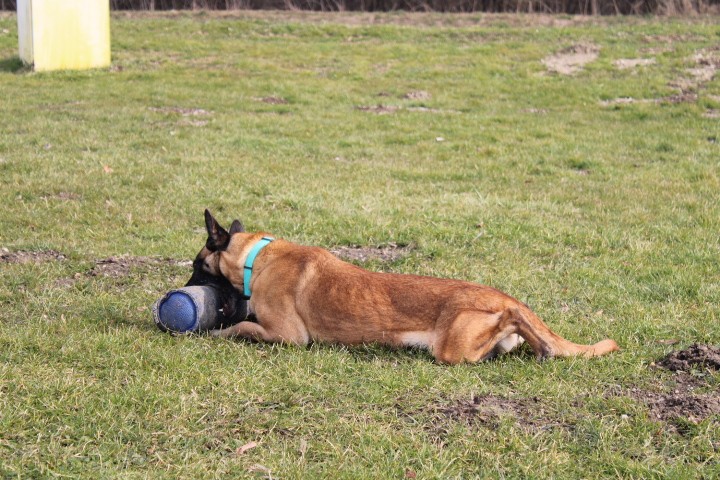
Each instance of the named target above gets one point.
<point>300,294</point>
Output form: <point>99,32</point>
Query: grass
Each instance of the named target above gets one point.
<point>604,218</point>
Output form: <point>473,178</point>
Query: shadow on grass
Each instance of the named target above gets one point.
<point>13,65</point>
<point>377,352</point>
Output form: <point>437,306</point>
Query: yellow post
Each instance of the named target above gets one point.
<point>64,34</point>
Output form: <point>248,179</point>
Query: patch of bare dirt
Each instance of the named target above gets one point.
<point>381,109</point>
<point>572,59</point>
<point>23,256</point>
<point>384,253</point>
<point>67,282</point>
<point>185,112</point>
<point>121,266</point>
<point>675,406</point>
<point>629,63</point>
<point>693,370</point>
<point>695,357</point>
<point>272,100</point>
<point>618,101</point>
<point>712,113</point>
<point>418,95</point>
<point>486,411</point>
<point>431,110</point>
<point>706,66</point>
<point>655,50</point>
<point>378,109</point>
<point>684,97</point>
<point>64,196</point>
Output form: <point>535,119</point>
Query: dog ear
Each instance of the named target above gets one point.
<point>218,237</point>
<point>236,227</point>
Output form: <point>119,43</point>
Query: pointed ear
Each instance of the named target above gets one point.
<point>218,237</point>
<point>236,227</point>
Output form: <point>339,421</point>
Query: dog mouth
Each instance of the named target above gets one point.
<point>233,304</point>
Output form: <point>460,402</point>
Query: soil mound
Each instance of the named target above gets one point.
<point>695,356</point>
<point>24,256</point>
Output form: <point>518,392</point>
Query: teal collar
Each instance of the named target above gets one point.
<point>249,263</point>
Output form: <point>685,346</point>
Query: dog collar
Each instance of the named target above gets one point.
<point>249,264</point>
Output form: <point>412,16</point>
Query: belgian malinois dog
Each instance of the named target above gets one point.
<point>301,294</point>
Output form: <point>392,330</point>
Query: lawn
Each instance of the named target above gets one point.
<point>454,142</point>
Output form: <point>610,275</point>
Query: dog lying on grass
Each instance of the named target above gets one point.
<point>301,294</point>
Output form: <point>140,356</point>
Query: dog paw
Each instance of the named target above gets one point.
<point>215,333</point>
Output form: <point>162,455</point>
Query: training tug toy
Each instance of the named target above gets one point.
<point>189,310</point>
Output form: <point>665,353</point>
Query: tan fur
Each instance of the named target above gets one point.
<point>303,294</point>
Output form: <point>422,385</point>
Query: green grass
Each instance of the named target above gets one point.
<point>605,219</point>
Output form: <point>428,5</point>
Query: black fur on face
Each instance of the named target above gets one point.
<point>234,306</point>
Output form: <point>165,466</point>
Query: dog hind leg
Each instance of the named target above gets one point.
<point>474,336</point>
<point>507,344</point>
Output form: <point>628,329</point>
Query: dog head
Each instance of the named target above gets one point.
<point>206,271</point>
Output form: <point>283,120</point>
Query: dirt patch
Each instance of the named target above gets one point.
<point>571,59</point>
<point>696,356</point>
<point>628,63</point>
<point>418,95</point>
<point>64,196</point>
<point>384,253</point>
<point>693,369</point>
<point>185,112</point>
<point>121,266</point>
<point>272,100</point>
<point>712,113</point>
<point>486,411</point>
<point>618,101</point>
<point>68,282</point>
<point>706,64</point>
<point>23,256</point>
<point>378,109</point>
<point>677,406</point>
<point>432,110</point>
<point>684,97</point>
<point>381,109</point>
<point>655,50</point>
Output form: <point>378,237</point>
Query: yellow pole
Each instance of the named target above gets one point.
<point>64,34</point>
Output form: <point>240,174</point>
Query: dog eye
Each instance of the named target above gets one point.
<point>206,266</point>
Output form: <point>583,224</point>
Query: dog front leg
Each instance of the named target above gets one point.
<point>249,330</point>
<point>252,331</point>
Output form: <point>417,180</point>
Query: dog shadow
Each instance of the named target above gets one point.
<point>373,353</point>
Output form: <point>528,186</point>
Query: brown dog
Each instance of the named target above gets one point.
<point>303,294</point>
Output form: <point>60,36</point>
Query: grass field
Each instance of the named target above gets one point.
<point>592,196</point>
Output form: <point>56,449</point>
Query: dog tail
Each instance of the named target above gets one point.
<point>547,343</point>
